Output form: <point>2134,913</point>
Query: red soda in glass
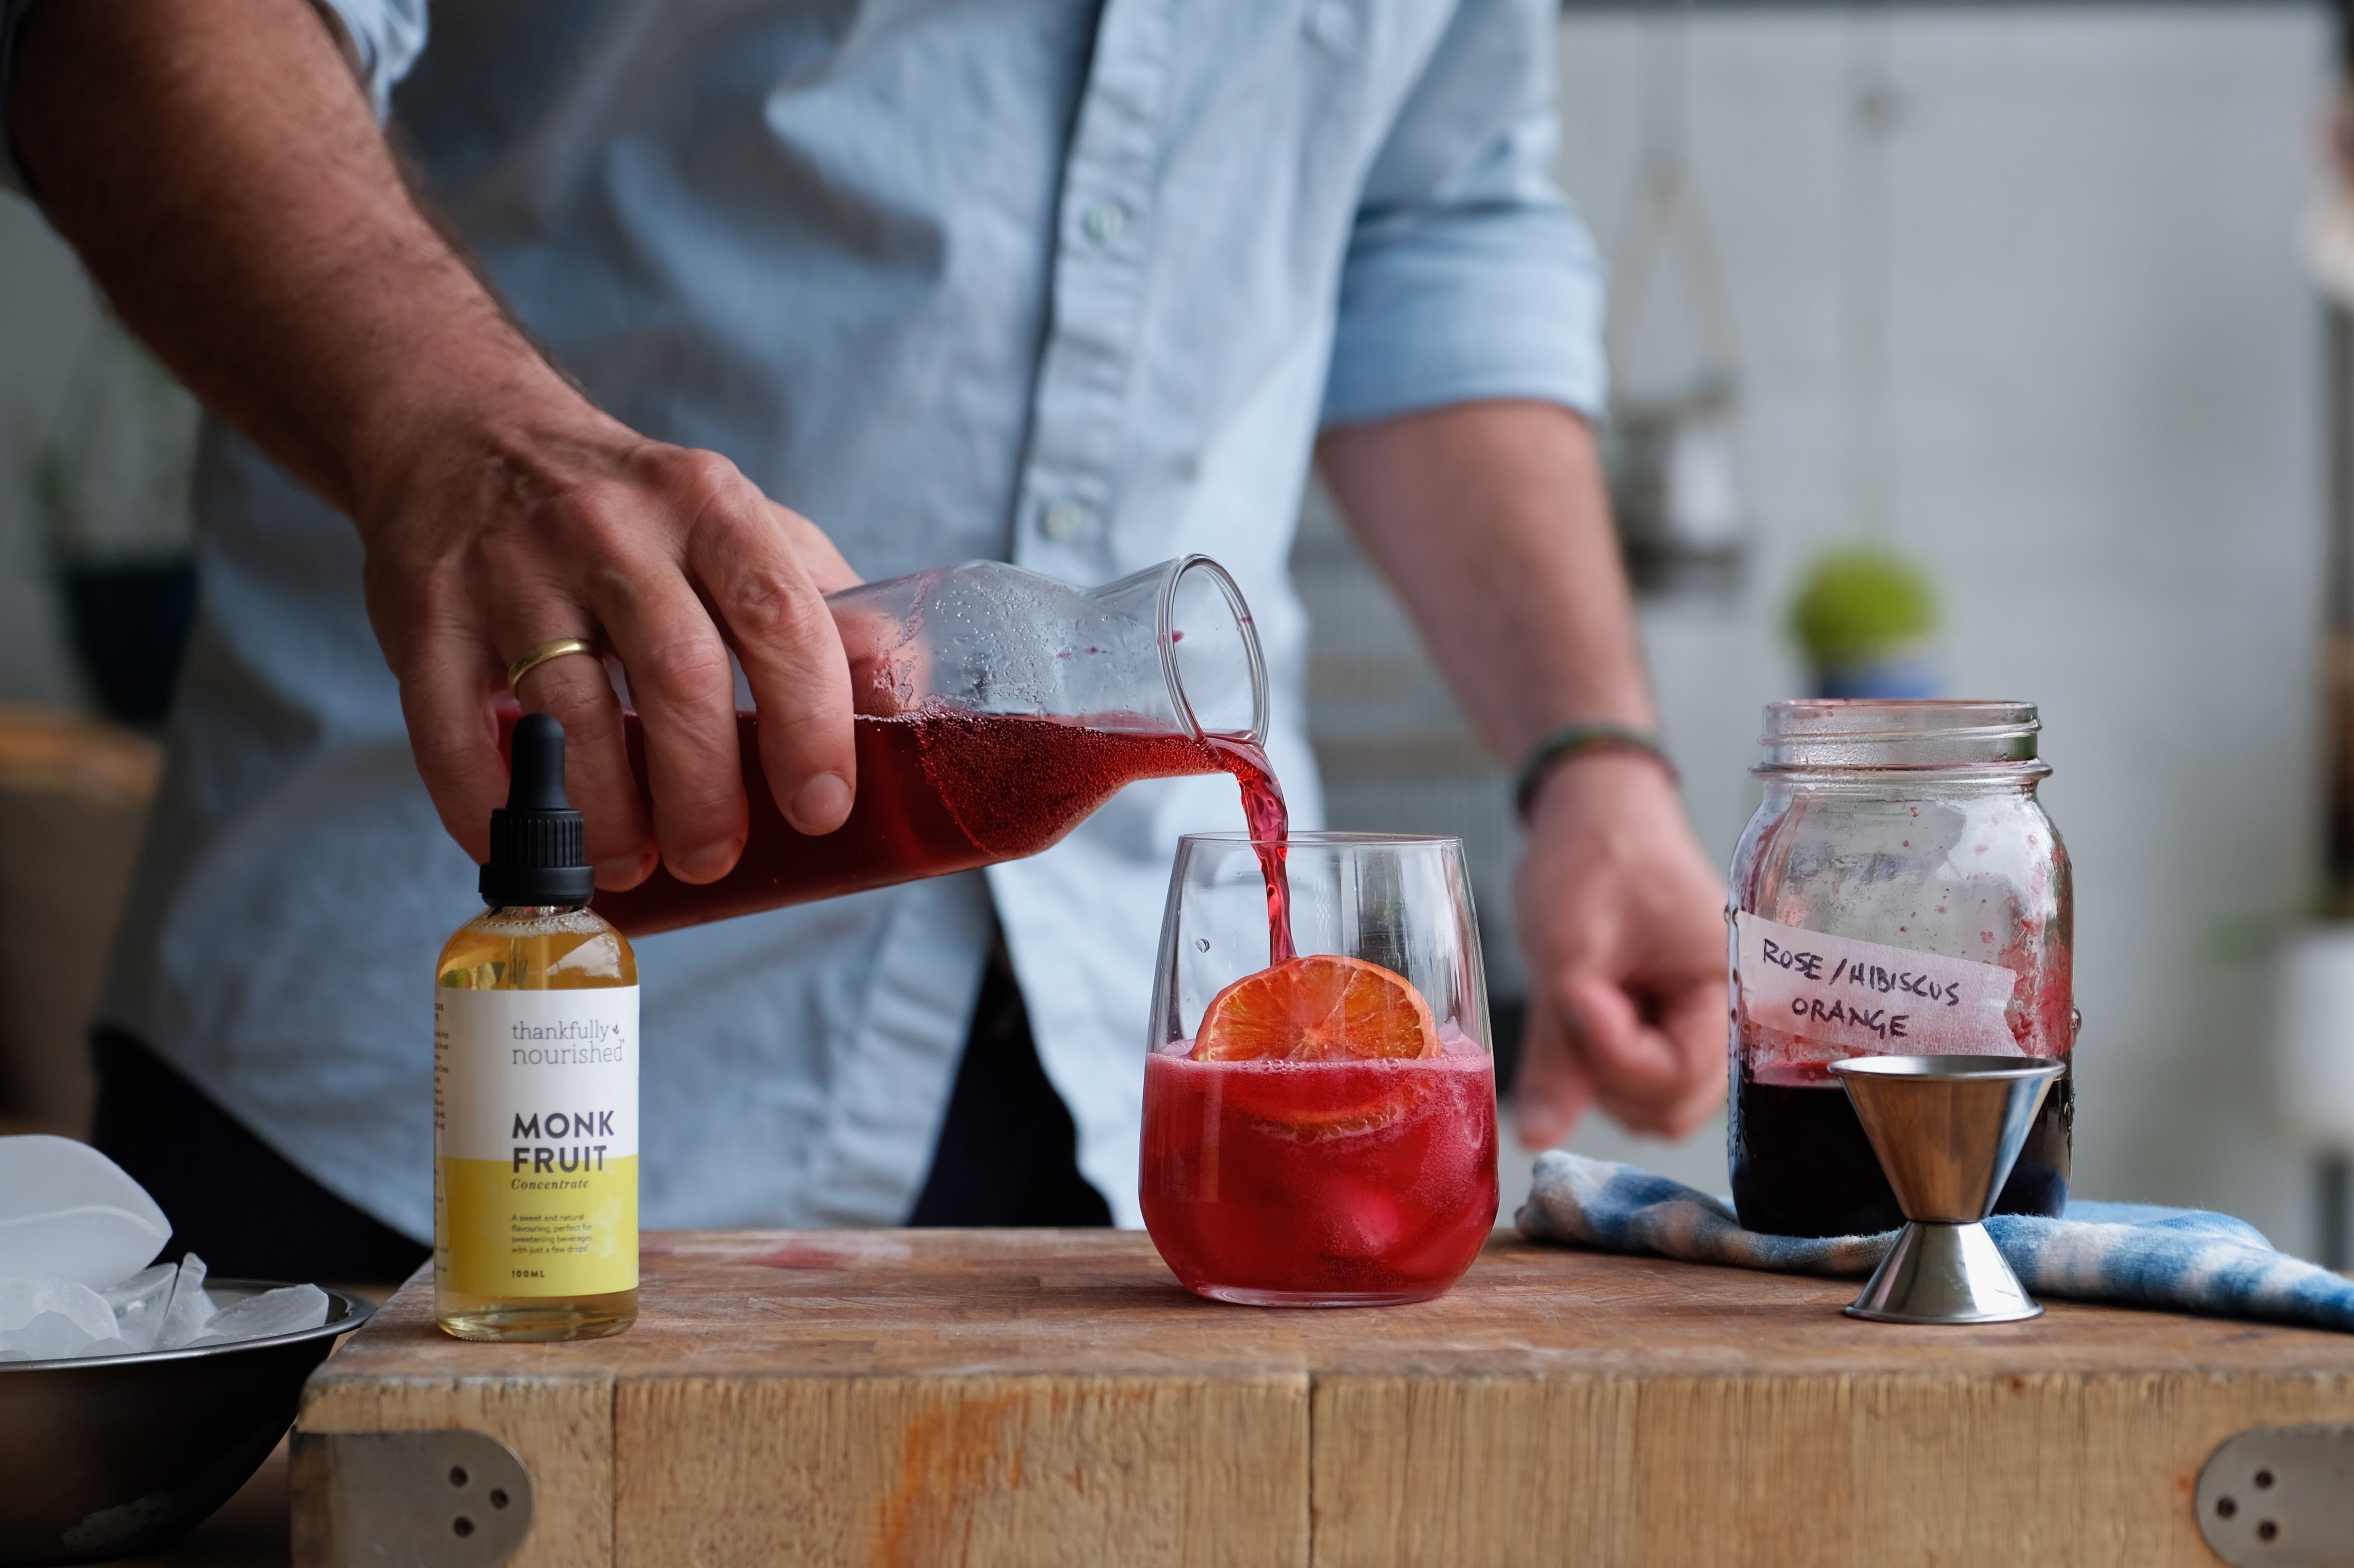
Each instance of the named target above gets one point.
<point>1281,1182</point>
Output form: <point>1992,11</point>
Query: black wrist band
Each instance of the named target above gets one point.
<point>1581,740</point>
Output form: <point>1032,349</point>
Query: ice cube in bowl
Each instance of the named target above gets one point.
<point>103,1456</point>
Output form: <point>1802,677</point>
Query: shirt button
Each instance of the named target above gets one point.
<point>1104,222</point>
<point>1063,519</point>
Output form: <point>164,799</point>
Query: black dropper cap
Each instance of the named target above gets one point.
<point>539,852</point>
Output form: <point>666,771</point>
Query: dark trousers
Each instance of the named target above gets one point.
<point>232,1200</point>
<point>1006,1155</point>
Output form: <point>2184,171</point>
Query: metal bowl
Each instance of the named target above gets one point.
<point>111,1455</point>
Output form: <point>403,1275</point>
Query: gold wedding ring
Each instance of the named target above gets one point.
<point>539,654</point>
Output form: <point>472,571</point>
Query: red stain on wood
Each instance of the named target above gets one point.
<point>801,1256</point>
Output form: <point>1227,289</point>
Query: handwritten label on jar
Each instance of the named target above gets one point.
<point>1870,998</point>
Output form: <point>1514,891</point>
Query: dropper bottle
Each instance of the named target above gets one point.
<point>535,1084</point>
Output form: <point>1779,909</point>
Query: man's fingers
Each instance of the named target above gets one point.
<point>1636,1073</point>
<point>574,690</point>
<point>1628,1057</point>
<point>785,638</point>
<point>1549,1091</point>
<point>809,545</point>
<point>1694,1020</point>
<point>1666,1079</point>
<point>685,693</point>
<point>1691,1114</point>
<point>445,699</point>
<point>1661,1076</point>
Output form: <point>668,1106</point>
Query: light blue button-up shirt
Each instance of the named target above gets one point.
<point>1037,280</point>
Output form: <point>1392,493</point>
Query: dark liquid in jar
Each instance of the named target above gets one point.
<point>1803,1167</point>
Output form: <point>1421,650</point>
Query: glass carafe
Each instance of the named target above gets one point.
<point>996,710</point>
<point>1900,890</point>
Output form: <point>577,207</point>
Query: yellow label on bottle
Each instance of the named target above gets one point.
<point>518,1233</point>
<point>536,1127</point>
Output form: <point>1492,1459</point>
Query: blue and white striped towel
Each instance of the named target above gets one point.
<point>2134,1255</point>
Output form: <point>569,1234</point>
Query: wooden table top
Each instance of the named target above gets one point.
<point>1054,1398</point>
<point>1102,1303</point>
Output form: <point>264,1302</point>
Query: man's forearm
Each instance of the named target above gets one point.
<point>1492,522</point>
<point>218,171</point>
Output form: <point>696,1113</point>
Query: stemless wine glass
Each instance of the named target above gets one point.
<point>1315,1147</point>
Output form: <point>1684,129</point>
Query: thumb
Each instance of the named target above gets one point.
<point>1626,1055</point>
<point>1549,1091</point>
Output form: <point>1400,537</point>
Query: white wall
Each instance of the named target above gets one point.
<point>2104,378</point>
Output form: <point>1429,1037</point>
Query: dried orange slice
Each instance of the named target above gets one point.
<point>1323,1008</point>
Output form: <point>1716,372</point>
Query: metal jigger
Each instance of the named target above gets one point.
<point>1947,1130</point>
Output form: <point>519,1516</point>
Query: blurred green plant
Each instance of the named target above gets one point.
<point>2246,938</point>
<point>1859,604</point>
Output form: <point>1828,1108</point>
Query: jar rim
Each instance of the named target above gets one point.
<point>1909,718</point>
<point>1840,733</point>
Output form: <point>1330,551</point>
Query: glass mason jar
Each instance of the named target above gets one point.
<point>1900,890</point>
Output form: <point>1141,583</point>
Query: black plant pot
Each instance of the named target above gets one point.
<point>130,623</point>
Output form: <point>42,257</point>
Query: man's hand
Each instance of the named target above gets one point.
<point>218,171</point>
<point>504,539</point>
<point>1621,918</point>
<point>1490,521</point>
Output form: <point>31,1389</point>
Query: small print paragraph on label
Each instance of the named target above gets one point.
<point>1868,997</point>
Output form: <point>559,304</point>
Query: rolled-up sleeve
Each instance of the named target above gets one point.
<point>1468,274</point>
<point>387,36</point>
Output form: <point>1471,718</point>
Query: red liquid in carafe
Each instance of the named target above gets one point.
<point>939,790</point>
